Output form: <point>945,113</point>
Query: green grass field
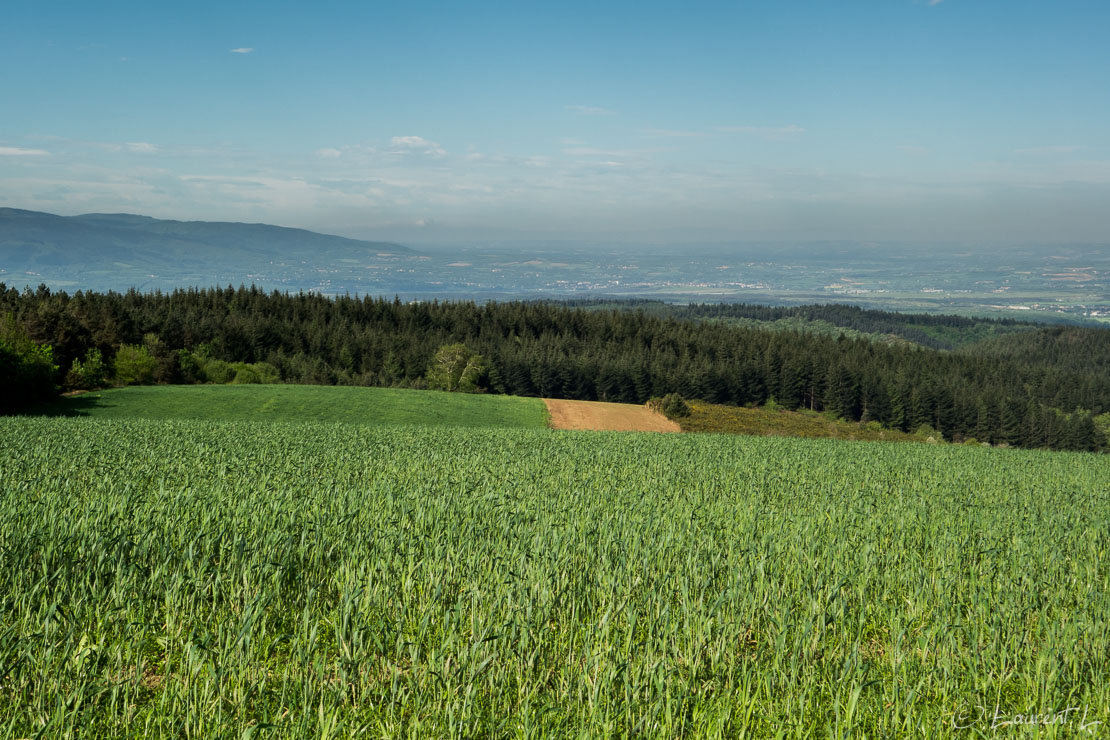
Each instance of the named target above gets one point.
<point>305,403</point>
<point>189,578</point>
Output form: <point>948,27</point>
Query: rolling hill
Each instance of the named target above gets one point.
<point>102,245</point>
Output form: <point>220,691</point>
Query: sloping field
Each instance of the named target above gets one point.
<point>304,403</point>
<point>276,580</point>
<point>607,417</point>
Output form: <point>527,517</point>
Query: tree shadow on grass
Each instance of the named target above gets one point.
<point>72,406</point>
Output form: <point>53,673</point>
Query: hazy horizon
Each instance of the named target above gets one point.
<point>920,121</point>
<point>444,239</point>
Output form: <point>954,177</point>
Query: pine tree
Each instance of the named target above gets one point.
<point>842,393</point>
<point>1010,423</point>
<point>791,386</point>
<point>897,404</point>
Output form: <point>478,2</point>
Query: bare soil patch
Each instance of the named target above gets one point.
<point>609,417</point>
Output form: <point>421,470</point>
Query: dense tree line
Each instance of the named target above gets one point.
<point>1002,394</point>
<point>929,330</point>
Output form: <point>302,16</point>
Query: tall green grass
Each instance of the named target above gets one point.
<point>199,579</point>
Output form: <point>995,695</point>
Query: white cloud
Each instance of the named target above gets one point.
<point>1050,149</point>
<point>413,143</point>
<point>135,147</point>
<point>672,133</point>
<point>243,50</point>
<point>589,151</point>
<point>579,185</point>
<point>935,2</point>
<point>590,110</point>
<point>15,151</point>
<point>771,133</point>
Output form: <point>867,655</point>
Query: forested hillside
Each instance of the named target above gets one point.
<point>1041,388</point>
<point>938,331</point>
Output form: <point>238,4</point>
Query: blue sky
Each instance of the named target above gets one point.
<point>885,119</point>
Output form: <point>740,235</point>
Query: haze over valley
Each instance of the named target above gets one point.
<point>1064,282</point>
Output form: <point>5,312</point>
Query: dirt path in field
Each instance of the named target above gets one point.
<point>612,417</point>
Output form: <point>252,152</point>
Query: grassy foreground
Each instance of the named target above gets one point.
<point>305,403</point>
<point>202,579</point>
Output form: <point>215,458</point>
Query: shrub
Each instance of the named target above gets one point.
<point>218,371</point>
<point>929,433</point>
<point>92,373</point>
<point>191,367</point>
<point>672,405</point>
<point>267,373</point>
<point>244,373</point>
<point>1102,425</point>
<point>134,365</point>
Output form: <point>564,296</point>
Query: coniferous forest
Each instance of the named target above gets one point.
<point>1042,388</point>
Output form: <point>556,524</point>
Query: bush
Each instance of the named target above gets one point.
<point>250,374</point>
<point>238,373</point>
<point>245,375</point>
<point>218,371</point>
<point>1102,425</point>
<point>930,434</point>
<point>191,367</point>
<point>134,365</point>
<point>92,373</point>
<point>672,405</point>
<point>267,373</point>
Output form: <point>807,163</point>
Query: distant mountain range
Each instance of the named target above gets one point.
<point>102,244</point>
